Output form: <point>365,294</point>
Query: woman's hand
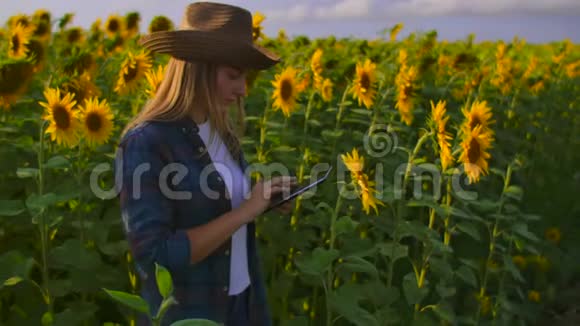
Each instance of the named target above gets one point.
<point>262,192</point>
<point>285,208</point>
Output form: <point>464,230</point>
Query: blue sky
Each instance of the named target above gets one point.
<point>534,20</point>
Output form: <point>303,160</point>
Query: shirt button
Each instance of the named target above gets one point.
<point>201,149</point>
<point>184,130</point>
<point>219,179</point>
<point>227,252</point>
<point>225,288</point>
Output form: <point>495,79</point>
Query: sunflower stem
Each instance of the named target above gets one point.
<point>338,117</point>
<point>79,183</point>
<point>398,216</point>
<point>494,234</point>
<point>43,228</point>
<point>330,274</point>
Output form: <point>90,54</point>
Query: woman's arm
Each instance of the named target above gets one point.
<point>207,238</point>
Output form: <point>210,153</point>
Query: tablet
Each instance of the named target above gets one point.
<point>278,200</point>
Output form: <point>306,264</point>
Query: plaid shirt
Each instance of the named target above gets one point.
<point>156,223</point>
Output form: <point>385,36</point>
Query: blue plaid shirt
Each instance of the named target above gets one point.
<point>156,222</point>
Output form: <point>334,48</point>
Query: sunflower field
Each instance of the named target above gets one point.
<point>453,199</point>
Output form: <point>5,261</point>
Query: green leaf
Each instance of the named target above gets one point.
<point>330,134</point>
<point>441,268</point>
<point>75,313</point>
<point>314,123</point>
<point>511,267</point>
<point>359,265</point>
<point>283,149</point>
<point>27,173</point>
<point>345,225</point>
<point>365,112</point>
<point>344,301</point>
<point>15,268</point>
<point>57,162</point>
<point>34,202</point>
<point>445,312</point>
<point>73,254</point>
<point>195,322</point>
<point>133,301</point>
<point>445,291</point>
<point>251,118</point>
<point>469,229</point>
<point>11,207</point>
<point>164,281</point>
<point>394,251</point>
<point>522,230</point>
<point>412,292</point>
<point>13,281</point>
<point>318,262</point>
<point>514,192</point>
<point>467,275</point>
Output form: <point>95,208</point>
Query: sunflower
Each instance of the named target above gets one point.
<point>19,38</point>
<point>97,121</point>
<point>96,34</point>
<point>19,19</point>
<point>14,80</point>
<point>82,87</point>
<point>257,20</point>
<point>534,296</point>
<point>63,120</point>
<point>132,71</point>
<point>113,25</point>
<point>282,37</point>
<point>132,20</point>
<point>354,163</point>
<point>479,114</point>
<point>365,187</point>
<point>395,31</point>
<point>474,155</point>
<point>160,24</point>
<point>404,81</point>
<point>154,78</point>
<point>326,90</point>
<point>520,261</point>
<point>364,83</point>
<point>440,121</point>
<point>553,235</point>
<point>74,35</point>
<point>42,25</point>
<point>286,90</point>
<point>316,66</point>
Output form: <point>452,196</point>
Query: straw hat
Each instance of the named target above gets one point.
<point>213,32</point>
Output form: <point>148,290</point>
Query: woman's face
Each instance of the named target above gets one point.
<point>231,84</point>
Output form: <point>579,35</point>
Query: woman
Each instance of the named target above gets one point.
<point>184,194</point>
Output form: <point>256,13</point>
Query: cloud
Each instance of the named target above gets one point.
<point>481,7</point>
<point>369,9</point>
<point>344,9</point>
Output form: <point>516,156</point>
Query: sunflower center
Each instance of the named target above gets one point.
<point>131,74</point>
<point>474,151</point>
<point>286,90</point>
<point>113,26</point>
<point>94,122</point>
<point>15,43</point>
<point>61,117</point>
<point>475,121</point>
<point>74,36</point>
<point>365,82</point>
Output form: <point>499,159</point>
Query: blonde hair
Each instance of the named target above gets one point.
<point>189,86</point>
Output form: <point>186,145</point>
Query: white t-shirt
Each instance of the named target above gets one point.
<point>238,185</point>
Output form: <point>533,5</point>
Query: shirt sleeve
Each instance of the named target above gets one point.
<point>146,212</point>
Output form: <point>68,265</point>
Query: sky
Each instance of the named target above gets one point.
<point>535,20</point>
